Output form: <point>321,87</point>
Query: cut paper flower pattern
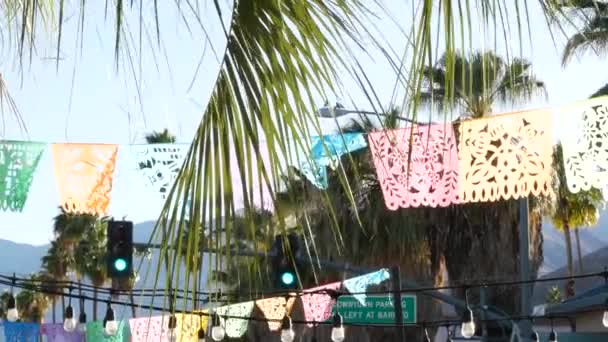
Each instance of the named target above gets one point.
<point>585,144</point>
<point>318,305</point>
<point>504,157</point>
<point>326,152</point>
<point>416,166</point>
<point>159,164</point>
<point>84,175</point>
<point>18,163</point>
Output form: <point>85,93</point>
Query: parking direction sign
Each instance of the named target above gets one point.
<point>375,310</point>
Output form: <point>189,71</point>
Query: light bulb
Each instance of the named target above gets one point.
<point>218,333</point>
<point>337,334</point>
<point>553,336</point>
<point>288,335</point>
<point>172,336</point>
<point>12,315</point>
<point>605,319</point>
<point>467,329</point>
<point>82,327</point>
<point>337,330</point>
<point>69,323</point>
<point>111,328</point>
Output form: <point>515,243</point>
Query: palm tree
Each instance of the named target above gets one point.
<point>482,80</point>
<point>91,251</point>
<point>163,137</point>
<point>592,36</point>
<point>55,266</point>
<point>572,211</point>
<point>32,304</point>
<point>277,53</point>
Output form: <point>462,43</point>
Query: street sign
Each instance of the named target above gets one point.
<point>375,310</point>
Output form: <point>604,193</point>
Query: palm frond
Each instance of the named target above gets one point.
<point>594,36</point>
<point>280,56</point>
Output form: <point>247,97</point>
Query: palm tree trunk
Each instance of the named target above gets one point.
<point>568,240</point>
<point>578,249</point>
<point>94,304</point>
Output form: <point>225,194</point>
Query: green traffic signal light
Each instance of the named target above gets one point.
<point>120,264</point>
<point>288,278</point>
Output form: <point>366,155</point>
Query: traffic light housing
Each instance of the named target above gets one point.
<point>120,249</point>
<point>286,261</point>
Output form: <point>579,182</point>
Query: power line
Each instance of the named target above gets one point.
<point>423,324</point>
<point>291,293</point>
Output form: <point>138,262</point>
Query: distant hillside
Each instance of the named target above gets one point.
<point>20,258</point>
<point>554,245</point>
<point>594,262</point>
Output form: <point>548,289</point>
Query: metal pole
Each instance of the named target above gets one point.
<point>482,303</point>
<point>396,280</point>
<point>524,266</point>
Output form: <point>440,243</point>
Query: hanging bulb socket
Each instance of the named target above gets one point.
<point>553,336</point>
<point>534,337</point>
<point>201,334</point>
<point>109,315</point>
<point>172,322</point>
<point>82,322</point>
<point>109,322</point>
<point>69,312</point>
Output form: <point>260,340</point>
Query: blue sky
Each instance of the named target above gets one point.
<point>103,105</point>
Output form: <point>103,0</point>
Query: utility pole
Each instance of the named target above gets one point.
<point>396,282</point>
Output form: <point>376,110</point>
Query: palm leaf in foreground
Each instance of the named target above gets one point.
<point>280,55</point>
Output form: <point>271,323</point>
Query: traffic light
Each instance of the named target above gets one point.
<point>286,262</point>
<point>120,249</point>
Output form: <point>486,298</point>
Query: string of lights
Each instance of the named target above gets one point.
<point>468,327</point>
<point>293,293</point>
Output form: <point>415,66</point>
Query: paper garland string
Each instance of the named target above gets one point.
<point>585,144</point>
<point>95,332</point>
<point>318,305</point>
<point>84,175</point>
<point>507,156</point>
<point>159,164</point>
<point>236,327</point>
<point>56,333</point>
<point>424,172</point>
<point>18,163</point>
<point>21,332</point>
<point>361,283</point>
<point>326,152</point>
<point>274,309</point>
<point>150,329</point>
